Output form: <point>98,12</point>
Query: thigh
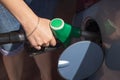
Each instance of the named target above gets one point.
<point>7,21</point>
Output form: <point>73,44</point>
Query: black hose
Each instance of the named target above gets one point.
<point>12,37</point>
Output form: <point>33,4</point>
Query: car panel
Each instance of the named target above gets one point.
<point>106,13</point>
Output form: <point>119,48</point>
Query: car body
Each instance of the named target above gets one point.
<point>103,18</point>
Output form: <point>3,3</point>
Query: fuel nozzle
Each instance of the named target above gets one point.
<point>65,32</point>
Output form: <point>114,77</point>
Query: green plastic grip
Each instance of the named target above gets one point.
<point>63,31</point>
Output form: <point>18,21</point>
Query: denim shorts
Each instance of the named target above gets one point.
<point>9,23</point>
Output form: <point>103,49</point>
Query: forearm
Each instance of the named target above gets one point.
<point>22,12</point>
<point>37,29</point>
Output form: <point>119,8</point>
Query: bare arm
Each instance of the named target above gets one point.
<point>42,35</point>
<point>22,12</point>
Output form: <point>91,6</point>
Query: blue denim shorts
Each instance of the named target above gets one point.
<point>9,23</point>
<point>45,8</point>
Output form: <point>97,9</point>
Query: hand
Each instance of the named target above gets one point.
<point>42,35</point>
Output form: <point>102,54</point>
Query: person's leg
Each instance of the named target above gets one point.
<point>13,62</point>
<point>13,54</point>
<point>48,65</point>
<point>14,66</point>
<point>43,62</point>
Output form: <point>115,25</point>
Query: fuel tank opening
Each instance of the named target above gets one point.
<point>91,26</point>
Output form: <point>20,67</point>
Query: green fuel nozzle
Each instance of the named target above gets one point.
<point>63,31</point>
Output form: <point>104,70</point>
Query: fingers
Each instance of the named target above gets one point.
<point>35,42</point>
<point>39,43</point>
<point>53,42</point>
<point>46,44</point>
<point>37,47</point>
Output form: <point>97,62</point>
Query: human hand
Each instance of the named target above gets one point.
<point>42,35</point>
<point>39,35</point>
